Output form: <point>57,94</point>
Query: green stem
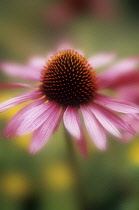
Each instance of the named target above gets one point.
<point>75,167</point>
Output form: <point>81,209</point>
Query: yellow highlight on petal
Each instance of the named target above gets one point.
<point>59,177</point>
<point>12,111</point>
<point>21,141</point>
<point>9,113</point>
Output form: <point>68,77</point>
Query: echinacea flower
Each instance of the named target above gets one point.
<point>61,13</point>
<point>67,84</point>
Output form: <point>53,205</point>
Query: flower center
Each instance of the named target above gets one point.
<point>68,79</point>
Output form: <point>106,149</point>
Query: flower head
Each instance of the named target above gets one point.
<point>67,83</point>
<point>68,79</point>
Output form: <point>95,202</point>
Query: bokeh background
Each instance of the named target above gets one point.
<point>47,180</point>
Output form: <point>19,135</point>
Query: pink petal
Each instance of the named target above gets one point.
<point>72,122</point>
<point>21,71</point>
<point>124,66</point>
<point>29,118</point>
<point>129,93</point>
<point>94,128</point>
<point>135,116</point>
<point>127,79</point>
<point>34,120</point>
<point>105,119</point>
<point>15,123</point>
<point>42,134</point>
<point>133,121</point>
<point>31,95</point>
<point>37,63</point>
<point>128,136</point>
<point>73,125</point>
<point>101,59</point>
<point>110,121</point>
<point>119,73</point>
<point>117,105</point>
<point>64,45</point>
<point>4,86</point>
<point>82,146</point>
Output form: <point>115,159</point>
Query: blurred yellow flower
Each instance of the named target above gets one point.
<point>15,185</point>
<point>58,176</point>
<point>133,153</point>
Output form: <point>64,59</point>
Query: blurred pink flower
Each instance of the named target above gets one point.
<point>61,13</point>
<point>66,82</point>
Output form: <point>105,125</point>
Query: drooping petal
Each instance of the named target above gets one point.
<point>105,119</point>
<point>110,121</point>
<point>82,146</point>
<point>94,128</point>
<point>4,86</point>
<point>133,121</point>
<point>34,121</point>
<point>21,71</point>
<point>31,95</point>
<point>73,125</point>
<point>15,123</point>
<point>101,59</point>
<point>119,74</point>
<point>72,122</point>
<point>129,93</point>
<point>29,118</point>
<point>42,134</point>
<point>128,79</point>
<point>117,105</point>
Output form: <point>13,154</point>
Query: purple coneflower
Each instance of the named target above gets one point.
<point>67,84</point>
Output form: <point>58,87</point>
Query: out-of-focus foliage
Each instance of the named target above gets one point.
<point>46,180</point>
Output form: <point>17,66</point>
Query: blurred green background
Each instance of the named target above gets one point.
<point>47,180</point>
